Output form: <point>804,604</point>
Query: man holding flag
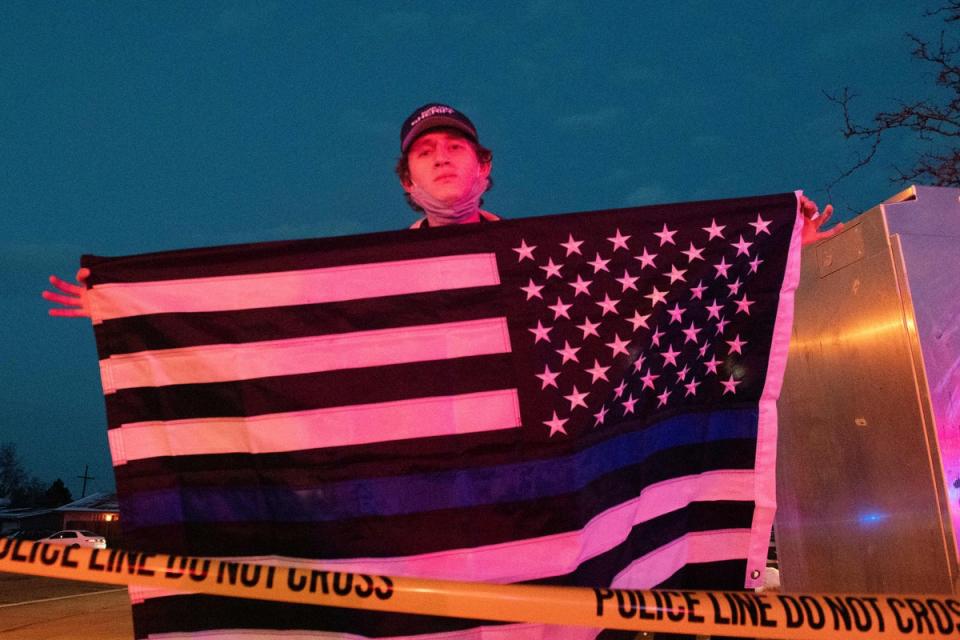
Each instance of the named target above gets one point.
<point>585,399</point>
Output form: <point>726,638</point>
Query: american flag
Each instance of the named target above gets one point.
<point>581,399</point>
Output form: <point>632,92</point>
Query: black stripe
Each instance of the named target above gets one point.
<point>310,391</point>
<point>449,528</point>
<point>202,612</point>
<point>173,330</point>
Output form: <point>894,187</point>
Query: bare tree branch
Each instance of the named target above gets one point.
<point>932,122</point>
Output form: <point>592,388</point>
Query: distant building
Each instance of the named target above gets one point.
<point>98,512</point>
<point>29,519</point>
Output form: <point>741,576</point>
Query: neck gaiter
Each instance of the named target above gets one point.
<point>440,213</point>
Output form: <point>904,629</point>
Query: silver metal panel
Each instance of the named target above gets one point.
<point>863,501</point>
<point>927,226</point>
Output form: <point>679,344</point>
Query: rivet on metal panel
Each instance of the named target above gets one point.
<point>855,288</point>
<point>755,574</point>
<point>860,422</point>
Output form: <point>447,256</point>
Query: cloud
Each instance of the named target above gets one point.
<point>400,20</point>
<point>644,195</point>
<point>596,119</point>
<point>246,19</point>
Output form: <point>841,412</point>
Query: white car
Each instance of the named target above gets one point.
<point>77,538</point>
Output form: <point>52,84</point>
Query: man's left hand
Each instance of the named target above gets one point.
<point>813,219</point>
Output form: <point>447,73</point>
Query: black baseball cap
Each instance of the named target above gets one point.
<point>431,116</point>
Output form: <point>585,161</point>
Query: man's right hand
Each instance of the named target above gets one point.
<point>73,297</point>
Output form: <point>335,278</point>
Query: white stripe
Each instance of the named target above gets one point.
<point>319,428</point>
<point>699,547</point>
<point>226,362</point>
<point>284,288</point>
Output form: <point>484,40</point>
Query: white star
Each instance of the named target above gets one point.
<point>638,363</point>
<point>580,286</point>
<point>735,287</point>
<point>722,267</point>
<point>548,377</point>
<point>576,398</point>
<point>619,241</point>
<point>638,321</point>
<point>696,293</point>
<point>730,385</point>
<point>646,260</point>
<point>714,230</point>
<point>620,389</point>
<point>559,309</point>
<point>568,352</point>
<point>533,290</point>
<point>670,356</point>
<point>572,246</point>
<point>703,349</point>
<point>721,325</point>
<point>693,253</point>
<point>628,404</point>
<point>541,332</point>
<point>597,372</point>
<point>755,264</point>
<point>676,274</point>
<point>714,310</point>
<point>761,225</point>
<point>655,337</point>
<point>663,397</point>
<point>712,365</point>
<point>524,250</point>
<point>691,333</point>
<point>683,373</point>
<point>736,345</point>
<point>743,247</point>
<point>551,269</point>
<point>600,416</point>
<point>556,425</point>
<point>656,296</point>
<point>618,346</point>
<point>648,380</point>
<point>743,304</point>
<point>627,281</point>
<point>692,387</point>
<point>666,236</point>
<point>608,305</point>
<point>599,264</point>
<point>588,328</point>
<point>675,313</point>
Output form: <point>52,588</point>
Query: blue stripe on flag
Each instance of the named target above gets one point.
<point>427,492</point>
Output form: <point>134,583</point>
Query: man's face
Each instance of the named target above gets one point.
<point>445,165</point>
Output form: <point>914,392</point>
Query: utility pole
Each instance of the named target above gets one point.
<point>85,477</point>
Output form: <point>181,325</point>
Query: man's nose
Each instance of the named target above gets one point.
<point>441,156</point>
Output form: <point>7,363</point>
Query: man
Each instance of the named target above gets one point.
<point>443,167</point>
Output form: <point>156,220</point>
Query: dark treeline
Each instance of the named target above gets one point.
<point>18,488</point>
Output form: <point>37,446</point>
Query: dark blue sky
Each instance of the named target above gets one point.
<point>131,127</point>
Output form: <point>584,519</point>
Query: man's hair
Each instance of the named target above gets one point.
<point>484,156</point>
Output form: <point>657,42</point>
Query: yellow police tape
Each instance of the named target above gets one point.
<point>728,613</point>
